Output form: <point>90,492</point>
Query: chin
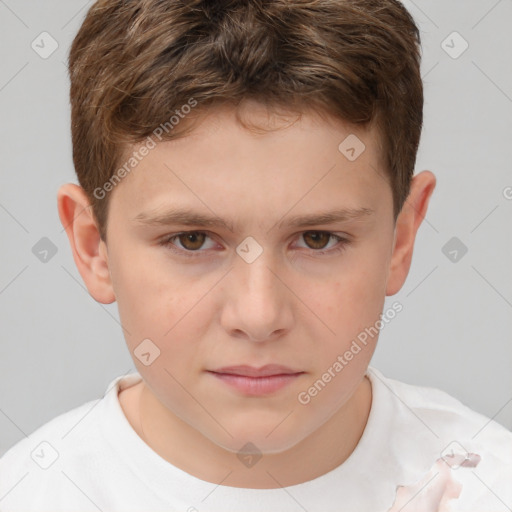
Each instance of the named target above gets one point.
<point>258,440</point>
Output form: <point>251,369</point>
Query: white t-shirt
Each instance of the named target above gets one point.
<point>91,459</point>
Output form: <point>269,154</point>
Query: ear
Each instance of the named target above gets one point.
<point>89,251</point>
<point>407,224</point>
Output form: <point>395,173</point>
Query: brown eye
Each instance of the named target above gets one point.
<point>316,239</point>
<point>189,243</point>
<point>192,241</point>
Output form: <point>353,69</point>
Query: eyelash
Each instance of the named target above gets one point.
<point>167,242</point>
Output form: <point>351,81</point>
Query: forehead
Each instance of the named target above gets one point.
<point>259,162</point>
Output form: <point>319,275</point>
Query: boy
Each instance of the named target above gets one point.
<point>247,198</point>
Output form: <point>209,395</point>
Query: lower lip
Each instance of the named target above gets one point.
<point>256,386</point>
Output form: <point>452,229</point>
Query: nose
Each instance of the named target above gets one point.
<point>257,304</point>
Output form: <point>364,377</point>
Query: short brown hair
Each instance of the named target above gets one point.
<point>133,63</point>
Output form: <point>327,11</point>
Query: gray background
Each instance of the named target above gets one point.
<point>60,348</point>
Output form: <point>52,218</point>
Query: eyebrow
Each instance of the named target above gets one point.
<point>188,217</point>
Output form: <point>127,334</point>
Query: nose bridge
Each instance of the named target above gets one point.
<point>257,297</point>
<point>257,277</point>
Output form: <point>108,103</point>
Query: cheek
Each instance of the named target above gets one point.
<point>169,306</point>
<point>351,306</point>
<point>152,297</point>
<point>357,295</point>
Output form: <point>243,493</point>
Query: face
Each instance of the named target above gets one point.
<point>266,286</point>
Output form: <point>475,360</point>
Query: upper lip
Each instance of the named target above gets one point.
<point>250,371</point>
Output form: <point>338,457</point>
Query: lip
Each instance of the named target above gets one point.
<point>256,381</point>
<point>268,370</point>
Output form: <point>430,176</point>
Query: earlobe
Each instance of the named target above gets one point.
<point>407,225</point>
<point>89,251</point>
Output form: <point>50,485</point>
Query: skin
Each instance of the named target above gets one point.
<point>291,306</point>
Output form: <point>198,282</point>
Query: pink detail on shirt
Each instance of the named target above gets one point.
<point>433,492</point>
